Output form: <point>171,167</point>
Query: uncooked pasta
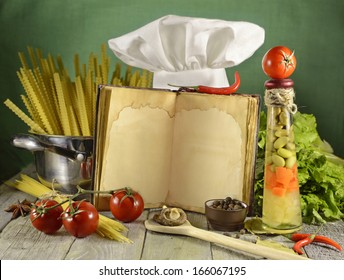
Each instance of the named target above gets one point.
<point>59,105</point>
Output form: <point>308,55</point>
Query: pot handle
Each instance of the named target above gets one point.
<point>33,144</point>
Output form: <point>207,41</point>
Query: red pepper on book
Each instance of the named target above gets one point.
<point>225,90</point>
<point>214,90</point>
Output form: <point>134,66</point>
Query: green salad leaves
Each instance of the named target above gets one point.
<point>320,172</point>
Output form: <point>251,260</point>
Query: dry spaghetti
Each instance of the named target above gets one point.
<point>60,105</point>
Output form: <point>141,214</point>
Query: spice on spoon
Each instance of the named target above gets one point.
<point>170,216</point>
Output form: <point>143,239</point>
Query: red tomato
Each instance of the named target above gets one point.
<point>126,205</point>
<point>80,219</point>
<point>279,62</point>
<point>46,220</point>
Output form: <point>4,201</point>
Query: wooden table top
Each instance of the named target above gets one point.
<point>19,240</point>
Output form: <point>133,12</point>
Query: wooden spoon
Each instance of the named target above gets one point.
<point>245,246</point>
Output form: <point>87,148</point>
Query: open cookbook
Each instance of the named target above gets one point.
<point>175,148</point>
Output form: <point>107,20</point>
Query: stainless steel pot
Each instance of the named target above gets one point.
<point>64,161</point>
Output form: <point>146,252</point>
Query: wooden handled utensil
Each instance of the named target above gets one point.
<point>241,245</point>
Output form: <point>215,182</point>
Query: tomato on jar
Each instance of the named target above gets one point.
<point>279,62</point>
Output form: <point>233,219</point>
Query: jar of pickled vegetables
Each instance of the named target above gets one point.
<point>281,196</point>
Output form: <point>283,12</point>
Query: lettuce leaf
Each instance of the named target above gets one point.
<point>320,172</point>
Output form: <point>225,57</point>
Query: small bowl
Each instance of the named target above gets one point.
<point>225,220</point>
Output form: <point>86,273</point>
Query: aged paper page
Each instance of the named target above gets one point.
<point>137,151</point>
<point>208,149</point>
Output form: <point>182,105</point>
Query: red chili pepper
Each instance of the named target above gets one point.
<point>302,243</point>
<point>226,90</point>
<point>317,238</point>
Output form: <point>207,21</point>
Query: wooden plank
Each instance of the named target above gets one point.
<point>174,247</point>
<point>95,247</point>
<point>315,251</point>
<point>9,195</point>
<point>21,241</point>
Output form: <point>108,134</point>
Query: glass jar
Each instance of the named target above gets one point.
<point>281,195</point>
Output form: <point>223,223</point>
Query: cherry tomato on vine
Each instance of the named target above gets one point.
<point>46,216</point>
<point>80,218</point>
<point>279,62</point>
<point>126,205</point>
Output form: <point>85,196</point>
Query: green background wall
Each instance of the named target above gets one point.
<point>314,28</point>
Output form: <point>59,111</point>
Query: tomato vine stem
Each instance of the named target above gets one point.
<point>70,199</point>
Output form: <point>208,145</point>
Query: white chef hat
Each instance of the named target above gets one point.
<point>188,51</point>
